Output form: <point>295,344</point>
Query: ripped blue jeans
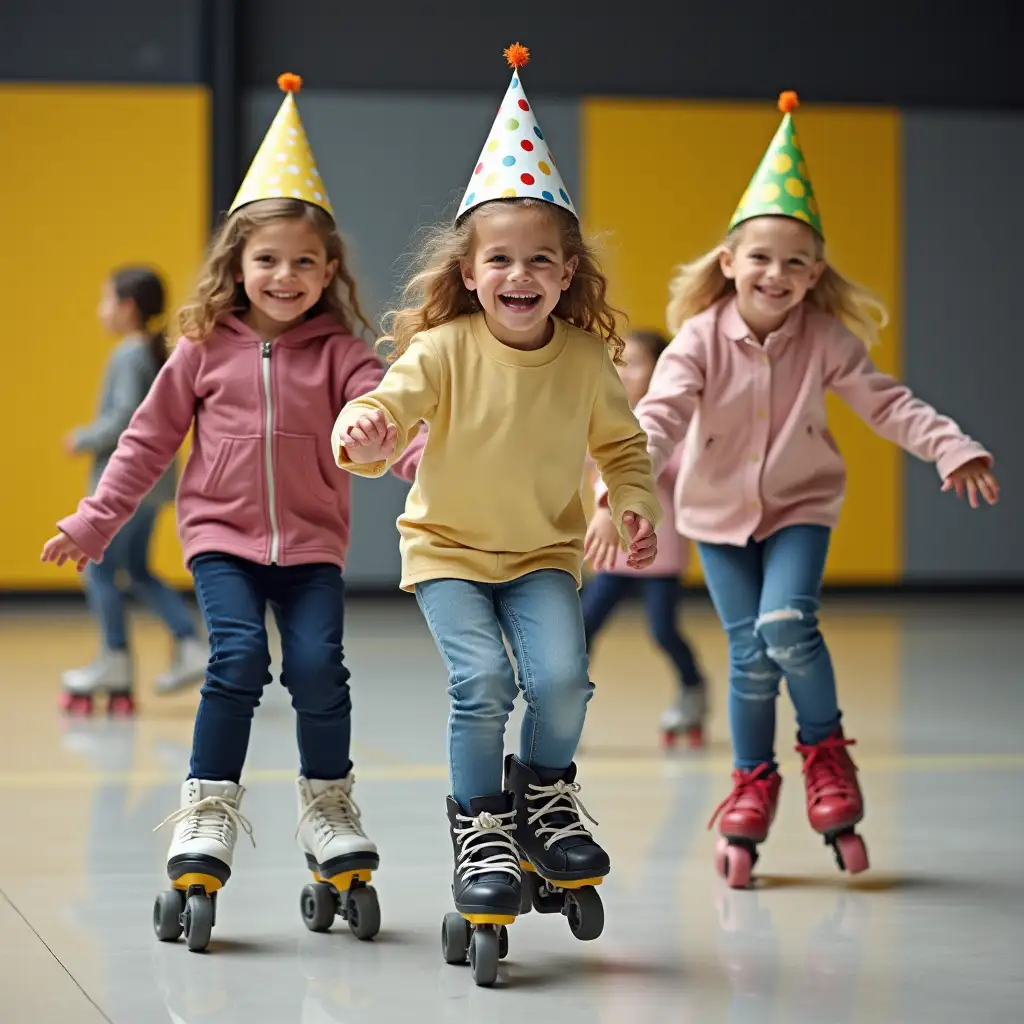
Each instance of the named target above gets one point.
<point>767,596</point>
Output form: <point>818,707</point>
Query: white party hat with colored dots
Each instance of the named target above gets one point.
<point>516,161</point>
<point>283,167</point>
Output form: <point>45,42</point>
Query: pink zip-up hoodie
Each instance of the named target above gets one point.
<point>758,454</point>
<point>261,481</point>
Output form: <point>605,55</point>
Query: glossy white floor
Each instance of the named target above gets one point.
<point>932,934</point>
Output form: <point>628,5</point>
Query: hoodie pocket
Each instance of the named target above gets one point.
<point>236,468</point>
<point>301,467</point>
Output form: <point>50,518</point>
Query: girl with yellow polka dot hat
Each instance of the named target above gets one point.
<point>269,355</point>
<point>765,328</point>
<point>506,347</point>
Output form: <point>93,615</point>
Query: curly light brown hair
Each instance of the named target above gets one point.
<point>218,291</point>
<point>436,294</point>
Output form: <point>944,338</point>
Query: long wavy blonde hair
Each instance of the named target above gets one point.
<point>218,291</point>
<point>436,294</point>
<point>700,284</point>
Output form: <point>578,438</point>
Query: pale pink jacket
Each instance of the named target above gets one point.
<point>261,481</point>
<point>673,557</point>
<point>758,454</point>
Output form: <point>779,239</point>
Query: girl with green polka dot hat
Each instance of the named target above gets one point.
<point>765,328</point>
<point>506,346</point>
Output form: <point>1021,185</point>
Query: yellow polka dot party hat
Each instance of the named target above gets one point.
<point>781,185</point>
<point>283,167</point>
<point>516,161</point>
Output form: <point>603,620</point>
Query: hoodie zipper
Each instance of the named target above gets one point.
<point>268,454</point>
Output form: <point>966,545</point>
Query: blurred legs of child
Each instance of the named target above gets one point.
<point>112,672</point>
<point>661,597</point>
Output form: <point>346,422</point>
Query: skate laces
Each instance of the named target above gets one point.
<point>209,818</point>
<point>828,767</point>
<point>563,799</point>
<point>483,832</point>
<point>753,787</point>
<point>337,814</point>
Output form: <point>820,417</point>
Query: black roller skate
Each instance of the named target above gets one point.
<point>563,863</point>
<point>486,885</point>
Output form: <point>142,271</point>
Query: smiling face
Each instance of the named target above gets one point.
<point>284,269</point>
<point>774,263</point>
<point>518,269</point>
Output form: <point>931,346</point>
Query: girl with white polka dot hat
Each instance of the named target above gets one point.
<point>765,328</point>
<point>506,347</point>
<point>270,354</point>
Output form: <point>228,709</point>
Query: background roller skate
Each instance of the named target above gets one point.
<point>745,817</point>
<point>834,800</point>
<point>486,885</point>
<point>685,719</point>
<point>562,862</point>
<point>341,857</point>
<point>109,676</point>
<point>199,860</point>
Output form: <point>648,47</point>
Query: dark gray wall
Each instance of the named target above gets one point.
<point>394,163</point>
<point>964,340</point>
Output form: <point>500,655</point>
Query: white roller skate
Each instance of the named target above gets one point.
<point>199,860</point>
<point>110,674</point>
<point>188,666</point>
<point>686,717</point>
<point>341,858</point>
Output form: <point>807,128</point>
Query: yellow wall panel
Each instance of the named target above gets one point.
<point>93,177</point>
<point>660,181</point>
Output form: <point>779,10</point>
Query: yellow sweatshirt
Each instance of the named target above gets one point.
<point>497,492</point>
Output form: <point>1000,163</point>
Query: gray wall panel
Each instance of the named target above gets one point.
<point>392,164</point>
<point>964,349</point>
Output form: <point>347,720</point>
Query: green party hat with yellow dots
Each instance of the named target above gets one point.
<point>781,186</point>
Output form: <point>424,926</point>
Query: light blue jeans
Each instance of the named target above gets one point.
<point>767,596</point>
<point>539,613</point>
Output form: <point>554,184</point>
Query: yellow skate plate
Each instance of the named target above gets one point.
<point>574,883</point>
<point>343,882</point>
<point>208,882</point>
<point>490,918</point>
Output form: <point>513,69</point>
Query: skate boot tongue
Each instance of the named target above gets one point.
<point>487,838</point>
<point>560,793</point>
<point>499,804</point>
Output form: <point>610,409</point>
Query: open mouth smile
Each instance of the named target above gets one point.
<point>519,301</point>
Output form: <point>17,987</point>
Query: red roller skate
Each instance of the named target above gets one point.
<point>746,816</point>
<point>834,801</point>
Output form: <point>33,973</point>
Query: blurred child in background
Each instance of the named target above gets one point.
<point>133,298</point>
<point>659,583</point>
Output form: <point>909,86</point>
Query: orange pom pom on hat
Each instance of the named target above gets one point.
<point>516,160</point>
<point>283,167</point>
<point>781,185</point>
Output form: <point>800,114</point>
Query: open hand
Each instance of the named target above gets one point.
<point>601,548</point>
<point>61,549</point>
<point>71,443</point>
<point>643,542</point>
<point>370,439</point>
<point>975,478</point>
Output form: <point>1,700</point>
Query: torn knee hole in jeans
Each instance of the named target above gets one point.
<point>781,615</point>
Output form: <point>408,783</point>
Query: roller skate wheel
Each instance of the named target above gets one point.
<point>167,912</point>
<point>668,739</point>
<point>121,705</point>
<point>78,705</point>
<point>197,922</point>
<point>695,738</point>
<point>363,912</point>
<point>851,853</point>
<point>525,897</point>
<point>585,912</point>
<point>484,954</point>
<point>734,863</point>
<point>455,933</point>
<point>317,906</point>
<point>502,942</point>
